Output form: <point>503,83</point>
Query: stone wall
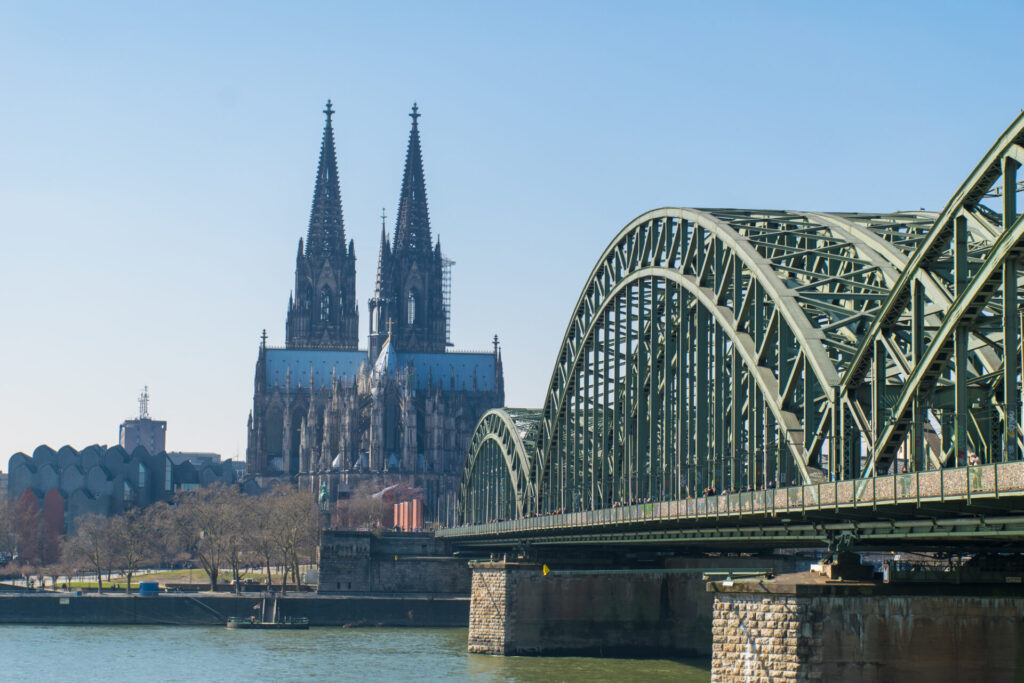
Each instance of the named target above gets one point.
<point>361,562</point>
<point>762,639</point>
<point>207,609</point>
<point>862,632</point>
<point>488,607</point>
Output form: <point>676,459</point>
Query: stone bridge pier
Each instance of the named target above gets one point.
<point>803,627</point>
<point>519,609</point>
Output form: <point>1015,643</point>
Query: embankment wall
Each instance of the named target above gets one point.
<point>214,609</point>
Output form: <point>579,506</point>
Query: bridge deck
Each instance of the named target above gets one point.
<point>983,504</point>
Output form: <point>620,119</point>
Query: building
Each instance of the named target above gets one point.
<point>107,480</point>
<point>143,431</point>
<point>401,410</point>
<point>104,480</point>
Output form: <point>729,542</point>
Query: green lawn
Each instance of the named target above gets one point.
<point>196,576</point>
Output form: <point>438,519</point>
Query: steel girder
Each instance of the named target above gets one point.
<point>960,369</point>
<point>733,349</point>
<point>496,481</point>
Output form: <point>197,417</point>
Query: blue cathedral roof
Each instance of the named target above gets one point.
<point>452,370</point>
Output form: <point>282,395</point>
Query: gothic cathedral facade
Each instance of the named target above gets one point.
<point>401,410</point>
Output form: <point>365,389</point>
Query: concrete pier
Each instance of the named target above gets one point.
<point>804,627</point>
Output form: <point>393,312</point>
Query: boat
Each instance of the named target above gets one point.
<point>289,623</point>
<point>268,621</point>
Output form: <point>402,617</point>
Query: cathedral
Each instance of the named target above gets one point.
<point>326,413</point>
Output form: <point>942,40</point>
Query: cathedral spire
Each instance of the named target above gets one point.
<point>326,226</point>
<point>324,312</point>
<point>412,227</point>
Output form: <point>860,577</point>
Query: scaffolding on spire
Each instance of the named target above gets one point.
<point>446,297</point>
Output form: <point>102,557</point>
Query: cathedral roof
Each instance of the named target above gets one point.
<point>412,229</point>
<point>451,371</point>
<point>290,367</point>
<point>326,225</point>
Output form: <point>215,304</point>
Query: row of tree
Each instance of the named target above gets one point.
<point>217,527</point>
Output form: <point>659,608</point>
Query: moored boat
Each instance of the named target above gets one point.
<point>288,623</point>
<point>268,619</point>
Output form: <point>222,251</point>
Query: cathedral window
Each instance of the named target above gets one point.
<point>412,308</point>
<point>325,305</point>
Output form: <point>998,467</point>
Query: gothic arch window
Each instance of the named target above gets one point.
<point>411,308</point>
<point>325,305</point>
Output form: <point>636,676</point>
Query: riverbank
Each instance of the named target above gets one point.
<point>213,609</point>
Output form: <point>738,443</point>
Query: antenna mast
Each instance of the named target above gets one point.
<point>144,403</point>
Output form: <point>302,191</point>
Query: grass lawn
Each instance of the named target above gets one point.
<point>198,577</point>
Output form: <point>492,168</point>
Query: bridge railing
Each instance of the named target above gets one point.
<point>962,484</point>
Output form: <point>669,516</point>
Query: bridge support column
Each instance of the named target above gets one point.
<point>516,609</point>
<point>802,628</point>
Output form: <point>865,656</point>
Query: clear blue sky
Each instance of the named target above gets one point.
<point>157,164</point>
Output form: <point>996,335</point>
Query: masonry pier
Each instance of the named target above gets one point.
<point>517,608</point>
<point>805,627</point>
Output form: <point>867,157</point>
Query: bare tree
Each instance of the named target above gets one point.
<point>168,547</point>
<point>237,509</point>
<point>91,546</point>
<point>28,527</point>
<point>262,524</point>
<point>8,539</point>
<point>297,530</point>
<point>205,524</point>
<point>131,543</point>
<point>362,510</point>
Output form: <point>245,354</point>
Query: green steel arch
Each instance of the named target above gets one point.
<point>962,368</point>
<point>730,349</point>
<point>496,479</point>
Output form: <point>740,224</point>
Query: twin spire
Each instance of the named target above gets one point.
<point>326,224</point>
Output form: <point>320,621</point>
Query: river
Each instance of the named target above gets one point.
<point>208,654</point>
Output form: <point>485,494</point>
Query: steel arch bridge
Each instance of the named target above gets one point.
<point>723,350</point>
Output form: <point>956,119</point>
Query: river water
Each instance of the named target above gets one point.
<point>208,654</point>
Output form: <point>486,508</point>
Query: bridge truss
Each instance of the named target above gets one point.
<point>722,350</point>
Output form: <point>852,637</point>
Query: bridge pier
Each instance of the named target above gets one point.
<point>517,609</point>
<point>803,627</point>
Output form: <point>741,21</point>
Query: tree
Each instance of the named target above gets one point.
<point>28,522</point>
<point>131,543</point>
<point>167,543</point>
<point>237,509</point>
<point>91,546</point>
<point>262,527</point>
<point>8,539</point>
<point>297,533</point>
<point>205,524</point>
<point>362,510</point>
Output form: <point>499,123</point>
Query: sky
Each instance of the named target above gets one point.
<point>157,163</point>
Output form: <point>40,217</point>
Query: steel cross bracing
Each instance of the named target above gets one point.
<point>721,350</point>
